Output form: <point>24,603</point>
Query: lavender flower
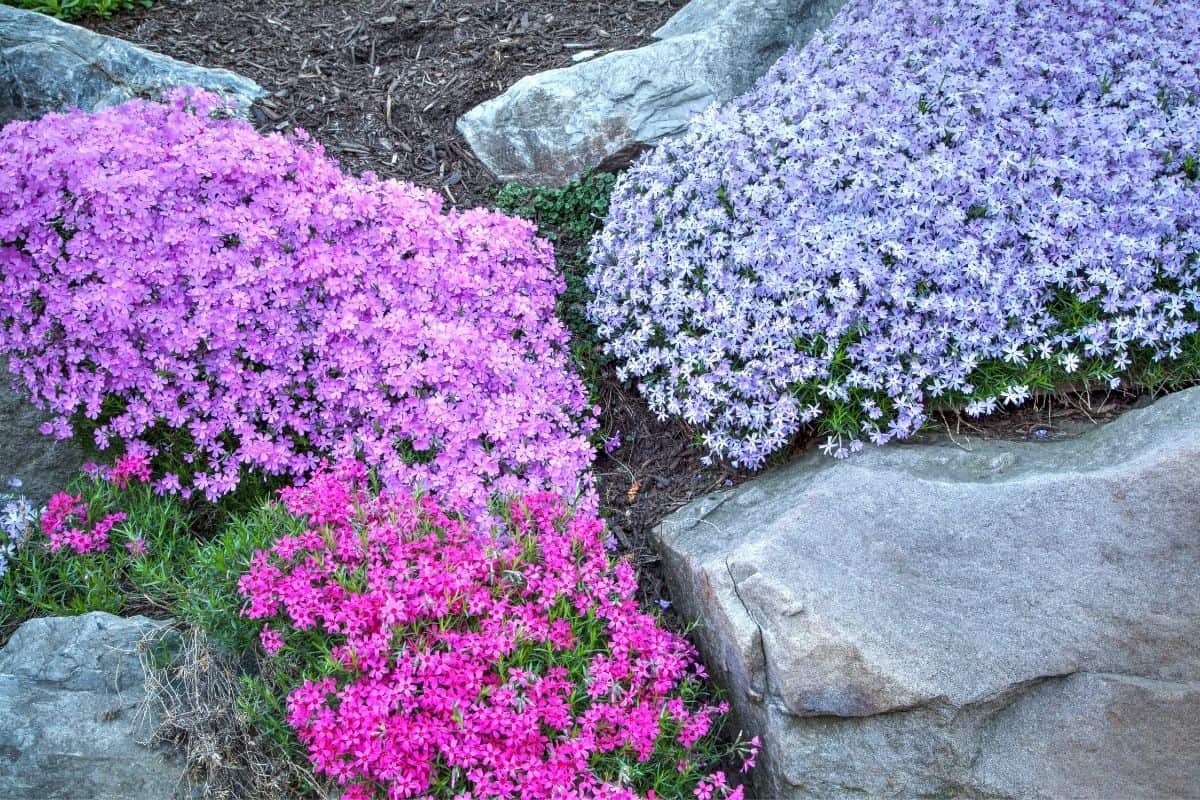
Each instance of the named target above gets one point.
<point>18,516</point>
<point>928,204</point>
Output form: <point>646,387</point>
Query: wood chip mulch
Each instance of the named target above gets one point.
<point>381,84</point>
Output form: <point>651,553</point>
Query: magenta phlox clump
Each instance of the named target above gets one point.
<point>69,521</point>
<point>66,522</point>
<point>461,653</point>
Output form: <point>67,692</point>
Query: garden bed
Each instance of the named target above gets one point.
<point>291,311</point>
<point>381,86</point>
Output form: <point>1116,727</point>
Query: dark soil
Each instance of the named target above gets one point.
<point>381,83</point>
<point>657,469</point>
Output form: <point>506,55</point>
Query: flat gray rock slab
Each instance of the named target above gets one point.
<point>551,127</point>
<point>1021,620</point>
<point>69,692</point>
<point>47,65</point>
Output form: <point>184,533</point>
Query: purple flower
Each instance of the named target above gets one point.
<point>241,291</point>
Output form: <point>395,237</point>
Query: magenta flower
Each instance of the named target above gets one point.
<point>428,615</point>
<point>130,467</point>
<point>271,640</point>
<point>66,522</point>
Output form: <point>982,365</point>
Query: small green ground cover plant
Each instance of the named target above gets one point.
<point>77,9</point>
<point>408,652</point>
<point>934,204</point>
<point>569,216</point>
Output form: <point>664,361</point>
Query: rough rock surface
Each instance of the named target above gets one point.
<point>47,65</point>
<point>69,691</point>
<point>553,126</point>
<point>42,464</point>
<point>1018,621</point>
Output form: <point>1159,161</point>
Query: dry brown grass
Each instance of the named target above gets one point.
<point>192,705</point>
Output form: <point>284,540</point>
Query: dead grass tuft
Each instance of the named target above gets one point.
<point>192,705</point>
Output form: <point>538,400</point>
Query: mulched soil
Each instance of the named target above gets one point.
<point>657,469</point>
<point>1047,418</point>
<point>381,84</point>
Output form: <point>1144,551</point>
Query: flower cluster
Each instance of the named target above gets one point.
<point>467,662</point>
<point>932,201</point>
<point>67,523</point>
<point>72,522</point>
<point>18,518</point>
<point>225,301</point>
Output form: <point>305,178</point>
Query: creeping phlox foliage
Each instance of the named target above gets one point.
<point>224,301</point>
<point>464,662</point>
<point>107,543</point>
<point>935,202</point>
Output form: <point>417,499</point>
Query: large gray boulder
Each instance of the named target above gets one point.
<point>47,65</point>
<point>553,126</point>
<point>1017,621</point>
<point>70,689</point>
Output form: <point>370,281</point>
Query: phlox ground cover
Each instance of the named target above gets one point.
<point>176,285</point>
<point>457,661</point>
<point>107,542</point>
<point>18,519</point>
<point>396,647</point>
<point>935,203</point>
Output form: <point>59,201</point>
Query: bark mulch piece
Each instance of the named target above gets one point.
<point>381,84</point>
